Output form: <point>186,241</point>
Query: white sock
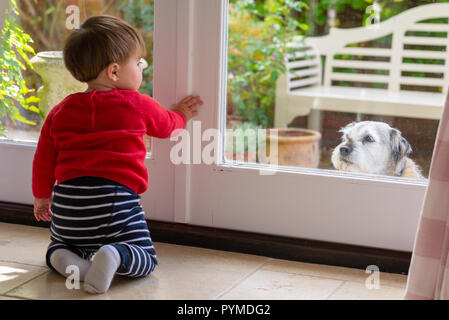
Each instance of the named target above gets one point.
<point>60,259</point>
<point>105,263</point>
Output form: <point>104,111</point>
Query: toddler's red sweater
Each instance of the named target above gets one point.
<point>100,133</point>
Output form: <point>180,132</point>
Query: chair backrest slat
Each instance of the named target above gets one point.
<point>407,52</point>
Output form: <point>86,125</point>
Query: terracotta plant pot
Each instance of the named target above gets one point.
<point>296,147</point>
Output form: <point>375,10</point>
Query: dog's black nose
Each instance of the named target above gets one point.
<point>345,150</point>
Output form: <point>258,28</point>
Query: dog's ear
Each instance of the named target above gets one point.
<point>399,145</point>
<point>348,126</point>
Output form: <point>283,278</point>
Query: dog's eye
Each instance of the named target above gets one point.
<point>368,139</point>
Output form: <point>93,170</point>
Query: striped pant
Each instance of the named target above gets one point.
<point>89,212</point>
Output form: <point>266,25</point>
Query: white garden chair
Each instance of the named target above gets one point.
<point>309,84</point>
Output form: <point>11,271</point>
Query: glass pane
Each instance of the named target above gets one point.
<point>48,23</point>
<point>343,88</point>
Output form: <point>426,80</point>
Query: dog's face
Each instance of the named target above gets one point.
<point>371,147</point>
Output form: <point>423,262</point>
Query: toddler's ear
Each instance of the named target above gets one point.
<point>112,71</point>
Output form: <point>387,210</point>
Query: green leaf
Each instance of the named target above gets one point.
<point>14,49</point>
<point>304,26</point>
<point>13,6</point>
<point>50,10</point>
<point>32,99</point>
<point>34,109</point>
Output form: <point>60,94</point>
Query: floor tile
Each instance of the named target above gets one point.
<point>23,244</point>
<point>14,274</point>
<point>183,273</point>
<point>179,257</point>
<point>48,286</point>
<point>187,273</point>
<point>334,272</point>
<point>8,298</point>
<point>358,291</point>
<point>274,285</point>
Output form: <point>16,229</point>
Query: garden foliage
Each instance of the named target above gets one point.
<point>14,50</point>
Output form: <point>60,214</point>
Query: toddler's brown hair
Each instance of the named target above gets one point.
<point>100,41</point>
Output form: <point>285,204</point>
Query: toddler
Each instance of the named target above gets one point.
<point>91,143</point>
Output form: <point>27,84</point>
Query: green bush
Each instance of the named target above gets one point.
<point>14,51</point>
<point>258,34</point>
<point>140,14</point>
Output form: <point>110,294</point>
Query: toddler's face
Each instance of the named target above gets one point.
<point>130,73</point>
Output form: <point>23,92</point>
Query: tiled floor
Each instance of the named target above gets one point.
<point>187,273</point>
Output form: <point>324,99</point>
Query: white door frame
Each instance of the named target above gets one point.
<point>373,211</point>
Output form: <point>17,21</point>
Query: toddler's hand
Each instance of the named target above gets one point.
<point>188,106</point>
<point>42,209</point>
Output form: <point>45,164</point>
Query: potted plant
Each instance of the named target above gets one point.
<point>14,51</point>
<point>295,147</point>
<point>259,34</point>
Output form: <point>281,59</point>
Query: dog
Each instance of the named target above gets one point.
<point>376,148</point>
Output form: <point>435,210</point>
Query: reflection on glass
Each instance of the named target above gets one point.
<point>368,93</point>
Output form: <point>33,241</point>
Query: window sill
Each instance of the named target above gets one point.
<point>32,145</point>
<point>360,178</point>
